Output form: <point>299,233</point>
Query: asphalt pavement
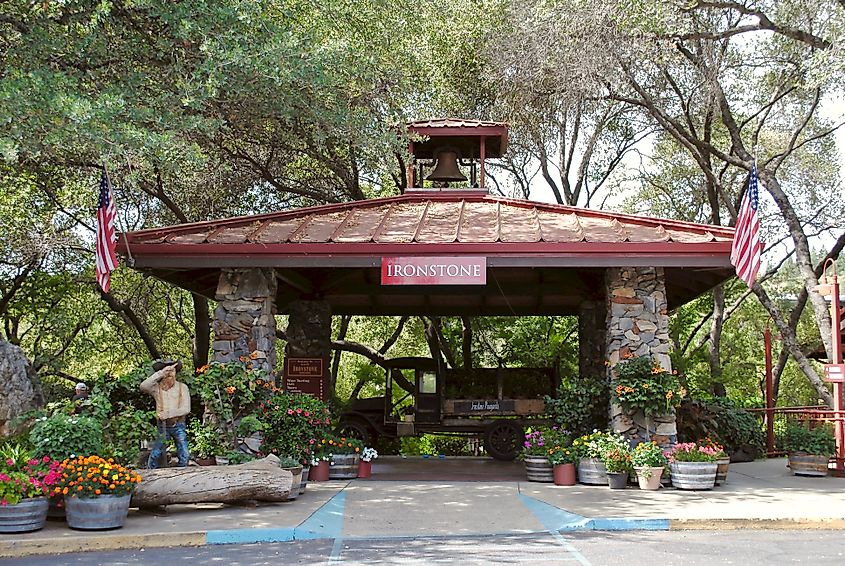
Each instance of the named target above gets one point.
<point>464,497</point>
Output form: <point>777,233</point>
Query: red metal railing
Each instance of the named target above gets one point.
<point>812,416</point>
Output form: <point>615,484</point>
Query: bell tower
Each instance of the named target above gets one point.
<point>451,153</point>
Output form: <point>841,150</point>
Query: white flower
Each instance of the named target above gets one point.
<point>369,454</point>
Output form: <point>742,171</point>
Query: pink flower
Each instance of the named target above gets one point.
<point>311,441</point>
<point>45,459</point>
<point>290,411</point>
<point>10,462</point>
<point>307,414</point>
<point>299,411</point>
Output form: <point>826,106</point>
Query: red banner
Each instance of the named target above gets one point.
<point>434,271</point>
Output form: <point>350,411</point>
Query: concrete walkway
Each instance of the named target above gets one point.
<point>465,499</point>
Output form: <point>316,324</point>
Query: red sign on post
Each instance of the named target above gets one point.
<point>434,271</point>
<point>306,376</point>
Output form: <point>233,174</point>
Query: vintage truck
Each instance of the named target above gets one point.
<point>496,404</point>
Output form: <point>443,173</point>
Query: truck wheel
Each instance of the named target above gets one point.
<point>503,440</point>
<point>356,429</point>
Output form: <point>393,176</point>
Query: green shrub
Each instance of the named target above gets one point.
<point>62,436</point>
<point>723,421</point>
<point>819,440</point>
<point>581,405</point>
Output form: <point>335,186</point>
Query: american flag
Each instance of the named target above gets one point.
<point>746,248</point>
<point>106,260</point>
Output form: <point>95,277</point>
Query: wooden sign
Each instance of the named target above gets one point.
<point>434,270</point>
<point>306,376</point>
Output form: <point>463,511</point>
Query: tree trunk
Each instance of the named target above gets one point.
<point>715,342</point>
<point>262,480</point>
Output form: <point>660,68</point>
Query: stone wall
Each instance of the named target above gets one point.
<point>245,318</point>
<point>638,324</point>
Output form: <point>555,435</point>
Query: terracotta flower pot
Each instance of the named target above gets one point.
<point>320,472</point>
<point>365,469</point>
<point>564,474</point>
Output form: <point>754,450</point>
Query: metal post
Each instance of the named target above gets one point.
<point>483,155</point>
<point>836,358</point>
<point>770,393</point>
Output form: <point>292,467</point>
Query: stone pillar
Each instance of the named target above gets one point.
<point>638,324</point>
<point>309,329</point>
<point>309,334</point>
<point>245,318</point>
<point>592,328</point>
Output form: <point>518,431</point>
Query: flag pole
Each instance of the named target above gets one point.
<point>129,259</point>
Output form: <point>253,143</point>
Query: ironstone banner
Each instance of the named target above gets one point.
<point>434,270</point>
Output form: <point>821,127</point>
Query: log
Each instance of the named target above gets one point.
<point>261,480</point>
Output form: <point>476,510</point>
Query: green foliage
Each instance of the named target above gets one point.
<point>642,385</point>
<point>238,457</point>
<point>124,429</point>
<point>229,391</point>
<point>62,436</point>
<point>818,440</point>
<point>580,405</point>
<point>294,425</point>
<point>722,420</point>
<point>288,462</point>
<point>434,445</point>
<point>204,439</point>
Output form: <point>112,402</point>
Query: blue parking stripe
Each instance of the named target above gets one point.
<point>326,522</point>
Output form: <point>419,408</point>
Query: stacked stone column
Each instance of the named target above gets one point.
<point>638,324</point>
<point>245,318</point>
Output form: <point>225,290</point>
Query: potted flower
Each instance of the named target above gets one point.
<point>365,468</point>
<point>649,462</point>
<point>25,483</point>
<point>723,461</point>
<point>319,462</point>
<point>692,466</point>
<point>589,448</point>
<point>563,460</point>
<point>345,457</point>
<point>535,454</point>
<point>617,461</point>
<point>809,449</point>
<point>96,491</point>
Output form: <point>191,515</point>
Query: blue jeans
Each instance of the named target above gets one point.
<point>179,436</point>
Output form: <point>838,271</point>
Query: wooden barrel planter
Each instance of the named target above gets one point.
<point>344,467</point>
<point>693,475</point>
<point>803,464</point>
<point>722,465</point>
<point>538,468</point>
<point>97,513</point>
<point>591,471</point>
<point>296,472</point>
<point>27,515</point>
<point>303,483</point>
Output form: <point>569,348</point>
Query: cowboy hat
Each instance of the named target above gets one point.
<point>161,364</point>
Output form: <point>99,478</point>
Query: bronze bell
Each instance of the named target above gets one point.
<point>446,169</point>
